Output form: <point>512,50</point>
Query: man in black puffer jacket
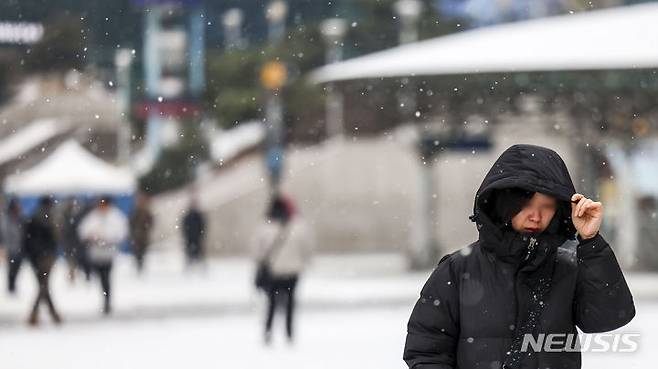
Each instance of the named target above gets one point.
<point>539,267</point>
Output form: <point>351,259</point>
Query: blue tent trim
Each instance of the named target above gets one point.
<point>124,202</point>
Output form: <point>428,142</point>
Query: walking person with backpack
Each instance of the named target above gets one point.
<point>283,249</point>
<point>539,267</point>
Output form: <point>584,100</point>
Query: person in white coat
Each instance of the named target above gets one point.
<point>285,245</point>
<point>102,230</point>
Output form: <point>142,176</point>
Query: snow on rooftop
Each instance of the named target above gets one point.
<point>26,139</point>
<point>614,38</point>
<point>228,144</point>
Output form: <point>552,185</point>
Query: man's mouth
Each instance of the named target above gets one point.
<point>532,230</point>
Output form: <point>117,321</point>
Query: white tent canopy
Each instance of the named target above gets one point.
<point>70,170</point>
<point>614,38</point>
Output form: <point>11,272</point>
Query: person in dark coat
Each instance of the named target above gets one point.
<point>12,237</point>
<point>141,222</point>
<point>40,246</point>
<point>539,266</point>
<point>194,228</point>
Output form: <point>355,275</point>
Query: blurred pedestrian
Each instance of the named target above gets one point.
<point>12,238</point>
<point>539,268</point>
<point>102,230</point>
<point>194,229</point>
<point>141,222</point>
<point>83,248</point>
<point>73,249</point>
<point>40,246</point>
<point>283,249</point>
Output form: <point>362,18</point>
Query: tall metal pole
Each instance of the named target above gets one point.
<point>153,74</point>
<point>276,13</point>
<point>123,61</point>
<point>273,77</point>
<point>333,30</point>
<point>408,12</point>
<point>196,50</point>
<point>232,21</point>
<point>424,247</point>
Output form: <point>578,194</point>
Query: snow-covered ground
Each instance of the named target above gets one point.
<point>353,311</point>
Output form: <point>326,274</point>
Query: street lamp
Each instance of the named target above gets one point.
<point>333,30</point>
<point>425,245</point>
<point>276,13</point>
<point>153,64</point>
<point>232,21</point>
<point>408,11</point>
<point>273,77</point>
<point>123,60</point>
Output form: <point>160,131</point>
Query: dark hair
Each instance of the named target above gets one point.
<point>278,210</point>
<point>505,203</point>
<point>105,199</point>
<point>45,201</point>
<point>13,205</point>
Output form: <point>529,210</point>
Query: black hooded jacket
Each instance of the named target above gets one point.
<point>480,300</point>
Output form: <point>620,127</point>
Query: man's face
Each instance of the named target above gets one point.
<point>536,215</point>
<point>103,206</point>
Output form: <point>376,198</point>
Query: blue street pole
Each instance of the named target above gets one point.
<point>197,51</point>
<point>152,74</point>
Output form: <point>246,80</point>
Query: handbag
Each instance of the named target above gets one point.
<point>263,277</point>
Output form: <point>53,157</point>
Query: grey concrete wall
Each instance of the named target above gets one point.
<point>357,195</point>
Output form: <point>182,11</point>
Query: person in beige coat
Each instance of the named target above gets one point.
<point>284,244</point>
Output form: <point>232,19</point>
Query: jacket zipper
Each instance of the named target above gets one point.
<point>531,247</point>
